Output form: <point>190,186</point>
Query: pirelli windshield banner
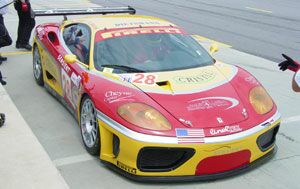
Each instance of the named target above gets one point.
<point>114,33</point>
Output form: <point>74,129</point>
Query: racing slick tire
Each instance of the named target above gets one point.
<point>89,127</point>
<point>37,66</point>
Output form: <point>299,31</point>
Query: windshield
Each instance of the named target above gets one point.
<point>150,53</point>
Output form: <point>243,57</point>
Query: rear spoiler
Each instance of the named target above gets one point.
<point>83,11</point>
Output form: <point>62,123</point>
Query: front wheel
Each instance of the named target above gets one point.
<point>37,67</point>
<point>89,126</point>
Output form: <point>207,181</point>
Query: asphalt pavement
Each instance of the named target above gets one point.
<point>58,135</point>
<point>262,28</point>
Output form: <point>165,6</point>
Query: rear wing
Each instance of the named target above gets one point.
<point>83,11</point>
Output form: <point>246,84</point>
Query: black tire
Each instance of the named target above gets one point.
<point>37,66</point>
<point>89,127</point>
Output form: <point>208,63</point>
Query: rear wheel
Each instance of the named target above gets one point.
<point>89,126</point>
<point>37,66</point>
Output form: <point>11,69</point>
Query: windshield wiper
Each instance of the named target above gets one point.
<point>123,67</point>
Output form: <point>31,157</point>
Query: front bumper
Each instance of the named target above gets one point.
<point>206,177</point>
<point>226,156</point>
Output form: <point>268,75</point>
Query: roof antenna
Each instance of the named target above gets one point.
<point>65,18</point>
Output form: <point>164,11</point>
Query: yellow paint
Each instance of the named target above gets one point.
<point>106,147</point>
<point>49,65</point>
<point>188,80</point>
<point>128,156</point>
<point>204,39</point>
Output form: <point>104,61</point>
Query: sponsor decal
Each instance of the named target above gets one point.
<point>126,24</point>
<point>224,150</point>
<point>219,119</point>
<point>207,104</point>
<point>144,79</point>
<point>63,64</point>
<point>190,135</point>
<point>71,92</point>
<point>66,84</point>
<point>244,113</point>
<point>75,96</point>
<point>108,70</point>
<point>212,102</point>
<point>126,168</point>
<point>186,122</point>
<point>136,31</point>
<point>40,32</point>
<point>75,79</point>
<point>116,96</point>
<point>251,80</point>
<point>204,77</point>
<point>226,129</point>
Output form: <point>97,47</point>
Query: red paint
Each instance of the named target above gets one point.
<point>222,163</point>
<point>173,107</point>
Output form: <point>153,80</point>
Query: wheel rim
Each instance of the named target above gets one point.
<point>89,127</point>
<point>37,68</point>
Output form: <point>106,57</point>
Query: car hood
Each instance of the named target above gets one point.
<point>198,98</point>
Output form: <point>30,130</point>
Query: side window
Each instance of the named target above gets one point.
<point>77,37</point>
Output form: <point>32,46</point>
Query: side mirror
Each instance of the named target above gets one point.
<point>70,58</point>
<point>213,48</point>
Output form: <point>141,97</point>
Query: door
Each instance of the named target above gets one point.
<point>77,40</point>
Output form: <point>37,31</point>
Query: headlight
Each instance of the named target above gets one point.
<point>143,116</point>
<point>260,100</point>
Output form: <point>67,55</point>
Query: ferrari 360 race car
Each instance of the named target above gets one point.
<point>150,101</point>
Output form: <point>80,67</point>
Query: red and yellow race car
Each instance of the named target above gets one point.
<point>150,101</point>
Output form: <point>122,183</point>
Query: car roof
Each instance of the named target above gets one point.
<point>121,21</point>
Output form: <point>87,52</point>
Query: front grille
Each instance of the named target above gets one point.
<point>157,159</point>
<point>267,139</point>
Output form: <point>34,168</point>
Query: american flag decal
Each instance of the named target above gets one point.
<point>190,135</point>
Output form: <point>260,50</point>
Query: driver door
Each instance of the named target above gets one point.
<point>77,40</point>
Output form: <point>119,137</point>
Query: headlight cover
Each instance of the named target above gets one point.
<point>260,100</point>
<point>143,116</point>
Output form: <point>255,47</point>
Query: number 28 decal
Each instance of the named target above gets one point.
<point>144,79</point>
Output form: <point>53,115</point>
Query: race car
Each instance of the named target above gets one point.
<point>150,101</point>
